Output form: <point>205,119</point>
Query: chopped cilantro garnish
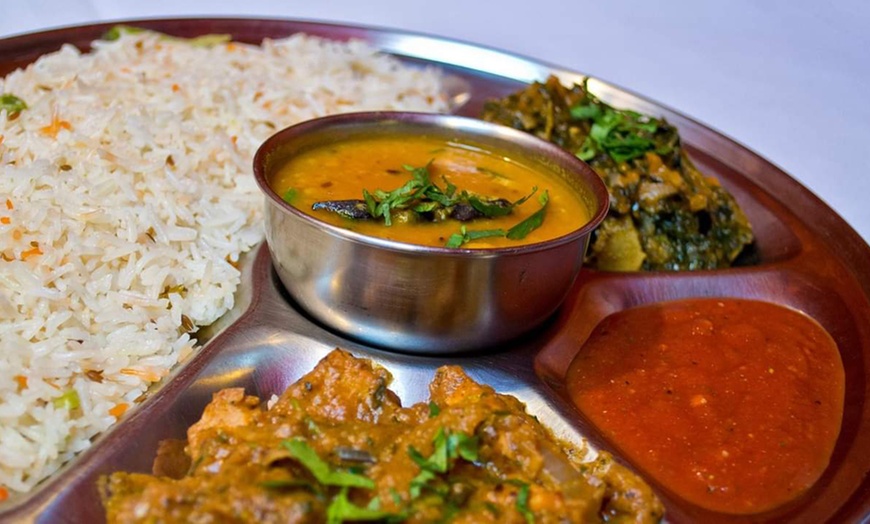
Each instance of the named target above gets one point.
<point>533,222</point>
<point>421,482</point>
<point>287,484</point>
<point>621,134</point>
<point>116,31</point>
<point>12,104</point>
<point>69,400</point>
<point>422,195</point>
<point>341,509</point>
<point>523,503</point>
<point>290,195</point>
<point>586,111</point>
<point>437,461</point>
<point>382,203</point>
<point>448,447</point>
<point>209,40</point>
<point>301,451</point>
<point>461,445</point>
<point>457,239</point>
<point>434,410</point>
<point>587,150</point>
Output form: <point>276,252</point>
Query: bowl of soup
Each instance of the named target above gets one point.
<point>425,233</point>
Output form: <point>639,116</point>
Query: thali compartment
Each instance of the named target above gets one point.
<point>599,295</point>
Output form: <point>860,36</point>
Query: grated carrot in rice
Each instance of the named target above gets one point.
<point>32,252</point>
<point>119,409</point>
<point>55,126</point>
<point>146,375</point>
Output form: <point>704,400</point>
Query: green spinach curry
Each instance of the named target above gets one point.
<point>664,213</point>
<point>337,446</point>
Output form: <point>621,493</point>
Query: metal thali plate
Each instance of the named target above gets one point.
<point>810,260</point>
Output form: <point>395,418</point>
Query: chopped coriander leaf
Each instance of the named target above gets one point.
<point>457,239</point>
<point>290,195</point>
<point>434,410</point>
<point>287,484</point>
<point>533,222</point>
<point>585,112</point>
<point>420,482</point>
<point>12,104</point>
<point>321,470</point>
<point>604,125</point>
<point>69,400</point>
<point>587,150</point>
<point>523,503</point>
<point>451,189</point>
<point>421,195</point>
<point>115,32</point>
<point>371,203</point>
<point>622,134</point>
<point>438,461</point>
<point>462,445</point>
<point>447,448</point>
<point>209,40</point>
<point>426,207</point>
<point>483,233</point>
<point>341,509</point>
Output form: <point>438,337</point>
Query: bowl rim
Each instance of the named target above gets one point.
<point>462,124</point>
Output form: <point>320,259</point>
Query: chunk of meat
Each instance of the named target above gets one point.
<point>229,408</point>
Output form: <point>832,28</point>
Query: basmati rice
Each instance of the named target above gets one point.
<point>126,196</point>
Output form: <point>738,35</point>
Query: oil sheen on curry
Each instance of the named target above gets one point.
<point>337,446</point>
<point>429,191</point>
<point>733,405</point>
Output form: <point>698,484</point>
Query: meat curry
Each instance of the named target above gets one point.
<point>338,446</point>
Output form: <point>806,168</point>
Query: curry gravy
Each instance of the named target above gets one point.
<point>337,446</point>
<point>734,405</point>
<point>341,171</point>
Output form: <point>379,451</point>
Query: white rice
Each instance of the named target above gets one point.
<point>131,215</point>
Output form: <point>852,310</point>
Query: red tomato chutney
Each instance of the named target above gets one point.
<point>734,405</point>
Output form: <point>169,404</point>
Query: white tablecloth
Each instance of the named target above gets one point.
<point>790,79</point>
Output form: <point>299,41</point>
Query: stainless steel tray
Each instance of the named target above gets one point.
<point>810,260</point>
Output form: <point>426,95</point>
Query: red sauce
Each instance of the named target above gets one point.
<point>733,405</point>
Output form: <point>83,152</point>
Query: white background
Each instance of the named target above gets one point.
<point>789,79</point>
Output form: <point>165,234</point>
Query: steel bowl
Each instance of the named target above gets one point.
<point>415,298</point>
